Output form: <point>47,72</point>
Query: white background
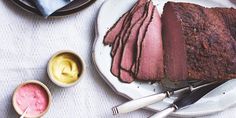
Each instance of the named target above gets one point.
<point>26,44</point>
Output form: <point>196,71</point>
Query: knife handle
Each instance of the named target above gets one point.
<point>139,103</point>
<point>164,113</point>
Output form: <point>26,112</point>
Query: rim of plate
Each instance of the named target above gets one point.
<point>61,12</point>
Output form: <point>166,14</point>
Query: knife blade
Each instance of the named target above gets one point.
<point>187,100</point>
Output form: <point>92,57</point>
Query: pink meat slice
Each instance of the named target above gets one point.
<point>125,32</point>
<point>113,32</point>
<point>125,76</point>
<point>141,34</point>
<point>115,67</point>
<point>151,56</point>
<point>115,46</point>
<point>111,35</point>
<point>128,55</point>
<point>128,51</point>
<point>136,17</point>
<point>129,22</point>
<point>118,52</point>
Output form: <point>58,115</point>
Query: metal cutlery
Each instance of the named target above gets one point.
<point>187,100</point>
<point>145,101</point>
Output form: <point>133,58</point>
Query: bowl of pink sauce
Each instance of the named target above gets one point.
<point>33,95</point>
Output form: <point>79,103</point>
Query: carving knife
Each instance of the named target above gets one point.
<point>187,100</point>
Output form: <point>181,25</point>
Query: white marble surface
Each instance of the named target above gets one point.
<point>26,44</point>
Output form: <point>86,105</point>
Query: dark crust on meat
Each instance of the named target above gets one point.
<point>229,16</point>
<point>209,35</point>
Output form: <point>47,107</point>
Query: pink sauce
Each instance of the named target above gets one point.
<point>33,96</point>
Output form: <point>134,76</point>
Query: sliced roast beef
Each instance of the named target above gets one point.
<point>140,37</point>
<point>115,66</point>
<point>128,56</point>
<point>132,20</point>
<point>151,56</point>
<point>114,31</point>
<point>129,47</point>
<point>199,43</point>
<point>117,53</point>
<point>137,16</point>
<point>111,35</point>
<point>129,40</point>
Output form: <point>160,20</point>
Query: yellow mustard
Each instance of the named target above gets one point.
<point>64,68</point>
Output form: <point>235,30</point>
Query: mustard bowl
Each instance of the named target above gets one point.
<point>65,68</point>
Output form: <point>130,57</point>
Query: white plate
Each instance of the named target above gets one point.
<point>217,100</point>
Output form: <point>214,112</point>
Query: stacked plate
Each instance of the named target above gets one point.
<point>73,7</point>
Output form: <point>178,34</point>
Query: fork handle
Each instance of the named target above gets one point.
<point>138,103</point>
